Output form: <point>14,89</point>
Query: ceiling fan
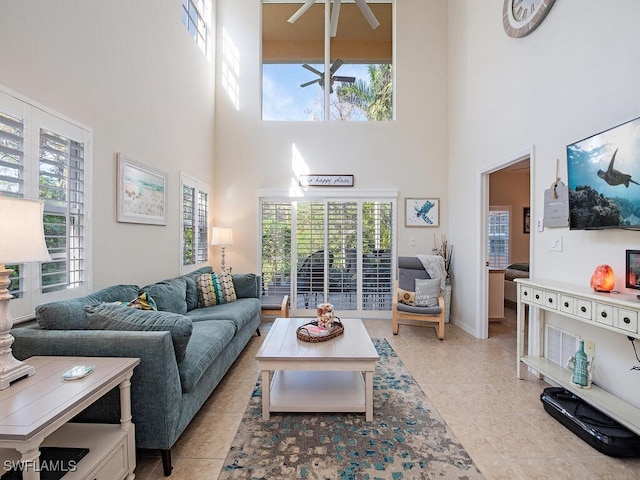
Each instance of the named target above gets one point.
<point>335,13</point>
<point>334,78</point>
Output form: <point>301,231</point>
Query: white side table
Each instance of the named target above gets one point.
<point>35,412</point>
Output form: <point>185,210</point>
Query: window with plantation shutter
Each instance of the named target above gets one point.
<point>335,250</point>
<point>44,156</point>
<point>195,223</point>
<point>499,221</point>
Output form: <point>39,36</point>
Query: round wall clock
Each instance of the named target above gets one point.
<point>521,17</point>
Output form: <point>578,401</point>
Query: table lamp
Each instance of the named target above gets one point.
<point>221,236</point>
<point>21,241</point>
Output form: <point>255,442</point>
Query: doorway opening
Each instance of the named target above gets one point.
<point>506,239</point>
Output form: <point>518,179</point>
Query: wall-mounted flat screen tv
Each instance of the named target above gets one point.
<point>604,176</point>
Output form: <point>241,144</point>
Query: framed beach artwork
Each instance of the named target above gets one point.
<point>422,212</point>
<point>142,193</point>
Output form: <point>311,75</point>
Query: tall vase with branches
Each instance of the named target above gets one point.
<point>445,250</point>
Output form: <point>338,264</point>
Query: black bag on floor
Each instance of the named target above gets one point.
<point>594,427</point>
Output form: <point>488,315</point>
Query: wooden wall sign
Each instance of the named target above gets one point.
<point>326,180</point>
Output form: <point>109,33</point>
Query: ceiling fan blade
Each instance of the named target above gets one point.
<point>310,83</point>
<point>311,69</point>
<point>301,10</point>
<point>335,13</point>
<point>336,65</point>
<point>368,14</point>
<point>345,79</point>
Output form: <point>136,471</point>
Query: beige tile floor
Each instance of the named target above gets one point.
<point>498,418</point>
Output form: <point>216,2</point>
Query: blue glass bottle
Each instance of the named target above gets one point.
<point>581,367</point>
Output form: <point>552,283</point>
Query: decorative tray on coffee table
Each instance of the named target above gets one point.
<point>311,332</point>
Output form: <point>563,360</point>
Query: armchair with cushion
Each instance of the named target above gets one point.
<point>421,306</point>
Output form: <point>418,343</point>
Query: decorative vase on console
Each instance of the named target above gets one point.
<point>580,375</point>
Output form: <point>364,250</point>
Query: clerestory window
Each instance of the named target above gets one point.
<point>349,80</point>
<point>196,16</point>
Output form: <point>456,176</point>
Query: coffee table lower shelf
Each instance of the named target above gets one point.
<point>317,391</point>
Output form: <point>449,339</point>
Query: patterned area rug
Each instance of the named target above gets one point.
<point>407,438</point>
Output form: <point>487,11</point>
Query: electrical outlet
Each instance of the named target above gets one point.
<point>590,348</point>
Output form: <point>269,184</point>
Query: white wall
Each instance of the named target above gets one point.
<point>409,154</point>
<point>576,75</point>
<point>130,71</point>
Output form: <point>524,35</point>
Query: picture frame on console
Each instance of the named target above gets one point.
<point>141,193</point>
<point>632,270</point>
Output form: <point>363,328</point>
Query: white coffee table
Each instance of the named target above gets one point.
<point>331,376</point>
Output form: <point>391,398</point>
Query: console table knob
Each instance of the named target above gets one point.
<point>626,320</point>
<point>583,309</point>
<point>566,304</point>
<point>603,314</point>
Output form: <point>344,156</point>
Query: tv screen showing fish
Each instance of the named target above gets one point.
<point>604,179</point>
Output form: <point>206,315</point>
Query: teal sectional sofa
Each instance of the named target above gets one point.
<point>185,349</point>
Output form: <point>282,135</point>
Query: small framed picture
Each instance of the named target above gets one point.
<point>141,194</point>
<point>632,272</point>
<point>526,220</point>
<point>422,212</point>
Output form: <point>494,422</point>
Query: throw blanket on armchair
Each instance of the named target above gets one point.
<point>434,265</point>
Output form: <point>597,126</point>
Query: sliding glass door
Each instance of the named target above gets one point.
<point>338,251</point>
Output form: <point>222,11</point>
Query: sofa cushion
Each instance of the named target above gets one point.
<point>70,314</point>
<point>193,296</point>
<point>208,340</point>
<point>419,310</point>
<point>246,285</point>
<point>226,283</point>
<point>240,312</point>
<point>111,316</point>
<point>170,295</point>
<point>427,291</point>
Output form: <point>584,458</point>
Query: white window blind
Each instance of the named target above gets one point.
<point>44,156</point>
<point>195,223</point>
<point>499,237</point>
<point>332,250</point>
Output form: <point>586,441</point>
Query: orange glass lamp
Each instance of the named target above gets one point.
<point>603,279</point>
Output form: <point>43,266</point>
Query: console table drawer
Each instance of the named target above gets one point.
<point>604,314</point>
<point>626,320</point>
<point>567,304</point>
<point>538,296</point>
<point>583,309</point>
<point>527,294</point>
<point>551,300</point>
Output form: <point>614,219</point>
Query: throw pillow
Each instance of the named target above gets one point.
<point>144,301</point>
<point>427,292</point>
<point>209,289</point>
<point>407,297</point>
<point>110,316</point>
<point>228,290</point>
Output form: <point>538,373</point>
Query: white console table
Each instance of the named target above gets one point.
<point>615,312</point>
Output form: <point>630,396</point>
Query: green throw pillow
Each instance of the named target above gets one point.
<point>427,292</point>
<point>111,316</point>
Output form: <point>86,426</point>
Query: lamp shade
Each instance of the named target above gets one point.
<point>603,279</point>
<point>221,236</point>
<point>21,231</point>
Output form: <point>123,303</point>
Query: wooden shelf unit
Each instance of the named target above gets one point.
<point>614,312</point>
